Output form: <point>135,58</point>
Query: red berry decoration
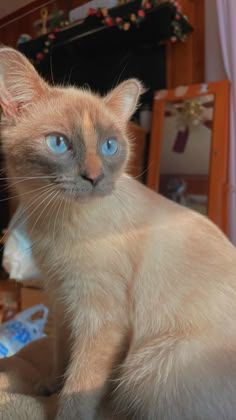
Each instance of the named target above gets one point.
<point>40,56</point>
<point>109,21</point>
<point>119,20</point>
<point>148,5</point>
<point>91,11</point>
<point>141,13</point>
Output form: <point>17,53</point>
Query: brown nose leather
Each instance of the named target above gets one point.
<point>92,168</point>
<point>87,177</point>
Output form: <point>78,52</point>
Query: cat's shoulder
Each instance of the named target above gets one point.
<point>164,214</point>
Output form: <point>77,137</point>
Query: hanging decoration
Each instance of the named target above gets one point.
<point>122,22</point>
<point>126,22</point>
<point>190,113</point>
<point>44,18</point>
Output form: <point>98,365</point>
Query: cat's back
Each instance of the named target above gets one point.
<point>177,230</point>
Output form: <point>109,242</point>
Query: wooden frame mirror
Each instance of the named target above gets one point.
<point>188,154</point>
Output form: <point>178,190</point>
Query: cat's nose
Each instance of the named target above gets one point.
<point>92,176</point>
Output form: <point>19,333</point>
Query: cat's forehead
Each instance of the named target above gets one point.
<point>84,105</point>
<point>75,109</point>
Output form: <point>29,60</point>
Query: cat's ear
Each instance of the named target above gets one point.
<point>124,98</point>
<point>20,84</point>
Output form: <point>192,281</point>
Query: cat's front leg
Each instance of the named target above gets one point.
<point>87,377</point>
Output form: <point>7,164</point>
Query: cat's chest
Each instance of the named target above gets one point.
<point>75,254</point>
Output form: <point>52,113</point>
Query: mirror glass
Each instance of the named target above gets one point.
<point>186,148</point>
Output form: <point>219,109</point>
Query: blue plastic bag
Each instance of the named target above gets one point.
<point>21,330</point>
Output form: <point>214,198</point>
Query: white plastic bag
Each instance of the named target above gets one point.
<point>18,260</point>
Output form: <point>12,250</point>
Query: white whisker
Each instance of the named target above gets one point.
<point>52,211</point>
<point>55,193</point>
<point>24,210</point>
<point>29,177</point>
<point>27,192</point>
<point>55,221</point>
<point>45,207</point>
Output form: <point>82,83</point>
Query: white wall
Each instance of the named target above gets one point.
<point>196,156</point>
<point>214,68</point>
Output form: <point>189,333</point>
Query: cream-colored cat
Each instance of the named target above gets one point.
<point>144,289</point>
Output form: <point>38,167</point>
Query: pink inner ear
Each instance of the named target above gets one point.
<point>9,108</point>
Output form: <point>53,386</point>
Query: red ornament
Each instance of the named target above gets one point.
<point>148,5</point>
<point>98,14</point>
<point>141,13</point>
<point>57,30</point>
<point>39,56</point>
<point>119,20</point>
<point>173,39</point>
<point>177,5</point>
<point>177,17</point>
<point>109,21</point>
<point>51,36</point>
<point>91,11</point>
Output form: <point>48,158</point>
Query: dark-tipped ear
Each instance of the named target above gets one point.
<point>124,98</point>
<point>20,84</point>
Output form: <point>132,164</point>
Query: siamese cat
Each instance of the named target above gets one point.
<point>143,290</point>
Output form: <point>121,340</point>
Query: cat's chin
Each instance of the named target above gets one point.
<point>85,196</point>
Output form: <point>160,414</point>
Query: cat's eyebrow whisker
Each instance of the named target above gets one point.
<point>52,77</point>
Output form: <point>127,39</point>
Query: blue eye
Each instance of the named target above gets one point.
<point>57,143</point>
<point>109,147</point>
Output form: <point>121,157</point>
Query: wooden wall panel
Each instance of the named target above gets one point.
<point>185,64</point>
<point>11,29</point>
